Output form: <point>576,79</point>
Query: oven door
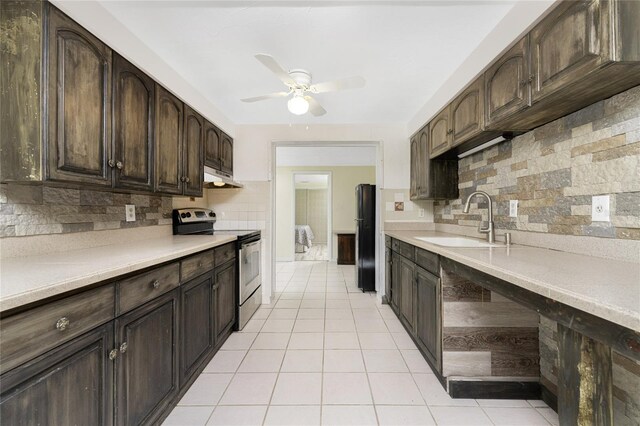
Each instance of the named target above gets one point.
<point>250,260</point>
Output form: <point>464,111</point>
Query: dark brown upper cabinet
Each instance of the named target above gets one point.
<point>440,133</point>
<point>507,84</point>
<point>431,179</point>
<point>168,147</point>
<point>568,44</point>
<point>211,145</point>
<point>133,126</point>
<point>193,153</point>
<point>226,154</point>
<point>467,113</point>
<point>79,104</point>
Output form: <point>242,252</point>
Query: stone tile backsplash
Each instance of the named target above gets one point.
<point>554,170</point>
<point>38,210</point>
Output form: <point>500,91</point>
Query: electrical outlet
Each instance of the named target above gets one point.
<point>420,212</point>
<point>513,208</point>
<point>130,212</point>
<point>600,208</point>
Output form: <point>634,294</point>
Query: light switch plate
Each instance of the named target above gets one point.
<point>600,208</point>
<point>513,208</point>
<point>130,212</point>
<point>420,212</point>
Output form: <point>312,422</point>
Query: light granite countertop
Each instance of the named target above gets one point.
<point>609,289</point>
<point>28,279</point>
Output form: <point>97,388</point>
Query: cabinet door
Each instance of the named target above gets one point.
<point>211,145</point>
<point>70,385</point>
<point>226,154</point>
<point>407,291</point>
<point>225,298</point>
<point>467,113</point>
<point>193,152</point>
<point>568,44</point>
<point>395,282</point>
<point>440,133</point>
<point>388,274</point>
<point>414,165</point>
<point>168,147</point>
<point>506,82</point>
<point>196,324</point>
<point>79,104</point>
<point>147,367</point>
<point>133,126</point>
<point>428,318</point>
<point>425,184</point>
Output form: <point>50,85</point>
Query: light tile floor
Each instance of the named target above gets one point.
<point>325,353</point>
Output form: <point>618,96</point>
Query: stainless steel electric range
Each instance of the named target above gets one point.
<point>197,221</point>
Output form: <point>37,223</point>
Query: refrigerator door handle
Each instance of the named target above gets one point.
<point>358,220</point>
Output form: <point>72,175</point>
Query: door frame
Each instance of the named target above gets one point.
<point>379,261</point>
<point>329,175</point>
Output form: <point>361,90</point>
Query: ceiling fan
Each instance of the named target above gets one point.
<point>298,82</point>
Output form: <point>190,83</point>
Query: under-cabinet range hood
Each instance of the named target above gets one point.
<point>215,179</point>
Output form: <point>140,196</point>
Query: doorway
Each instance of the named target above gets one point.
<point>349,164</point>
<point>312,224</point>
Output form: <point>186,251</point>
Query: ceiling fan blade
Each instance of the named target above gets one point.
<point>269,96</point>
<point>341,84</point>
<point>314,107</point>
<point>275,68</point>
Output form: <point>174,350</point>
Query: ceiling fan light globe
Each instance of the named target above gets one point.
<point>298,105</point>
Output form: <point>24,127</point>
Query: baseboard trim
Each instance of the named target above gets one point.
<point>550,398</point>
<point>496,389</point>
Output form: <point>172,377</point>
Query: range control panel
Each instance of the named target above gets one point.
<point>194,215</point>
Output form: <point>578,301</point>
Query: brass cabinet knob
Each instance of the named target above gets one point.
<point>155,284</point>
<point>111,163</point>
<point>186,179</point>
<point>119,165</point>
<point>113,353</point>
<point>123,347</point>
<point>62,323</point>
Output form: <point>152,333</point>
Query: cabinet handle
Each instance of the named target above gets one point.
<point>123,347</point>
<point>187,180</point>
<point>111,163</point>
<point>113,354</point>
<point>62,323</point>
<point>155,284</point>
<point>525,82</point>
<point>119,165</point>
<point>449,131</point>
<point>199,264</point>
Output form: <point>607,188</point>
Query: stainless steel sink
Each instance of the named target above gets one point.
<point>458,242</point>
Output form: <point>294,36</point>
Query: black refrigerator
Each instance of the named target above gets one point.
<point>366,237</point>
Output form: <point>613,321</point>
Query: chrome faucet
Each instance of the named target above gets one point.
<point>491,233</point>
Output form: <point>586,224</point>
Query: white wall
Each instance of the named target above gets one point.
<point>253,146</point>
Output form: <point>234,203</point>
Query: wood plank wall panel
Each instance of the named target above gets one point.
<point>481,328</point>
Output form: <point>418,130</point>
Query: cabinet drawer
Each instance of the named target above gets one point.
<point>195,265</point>
<point>224,253</point>
<point>137,290</point>
<point>428,261</point>
<point>406,250</point>
<point>387,241</point>
<point>31,333</point>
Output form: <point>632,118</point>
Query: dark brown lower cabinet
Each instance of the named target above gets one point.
<point>225,298</point>
<point>428,330</point>
<point>147,367</point>
<point>388,290</point>
<point>70,385</point>
<point>197,336</point>
<point>407,282</point>
<point>415,297</point>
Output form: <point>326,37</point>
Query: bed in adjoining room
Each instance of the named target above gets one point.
<point>303,238</point>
